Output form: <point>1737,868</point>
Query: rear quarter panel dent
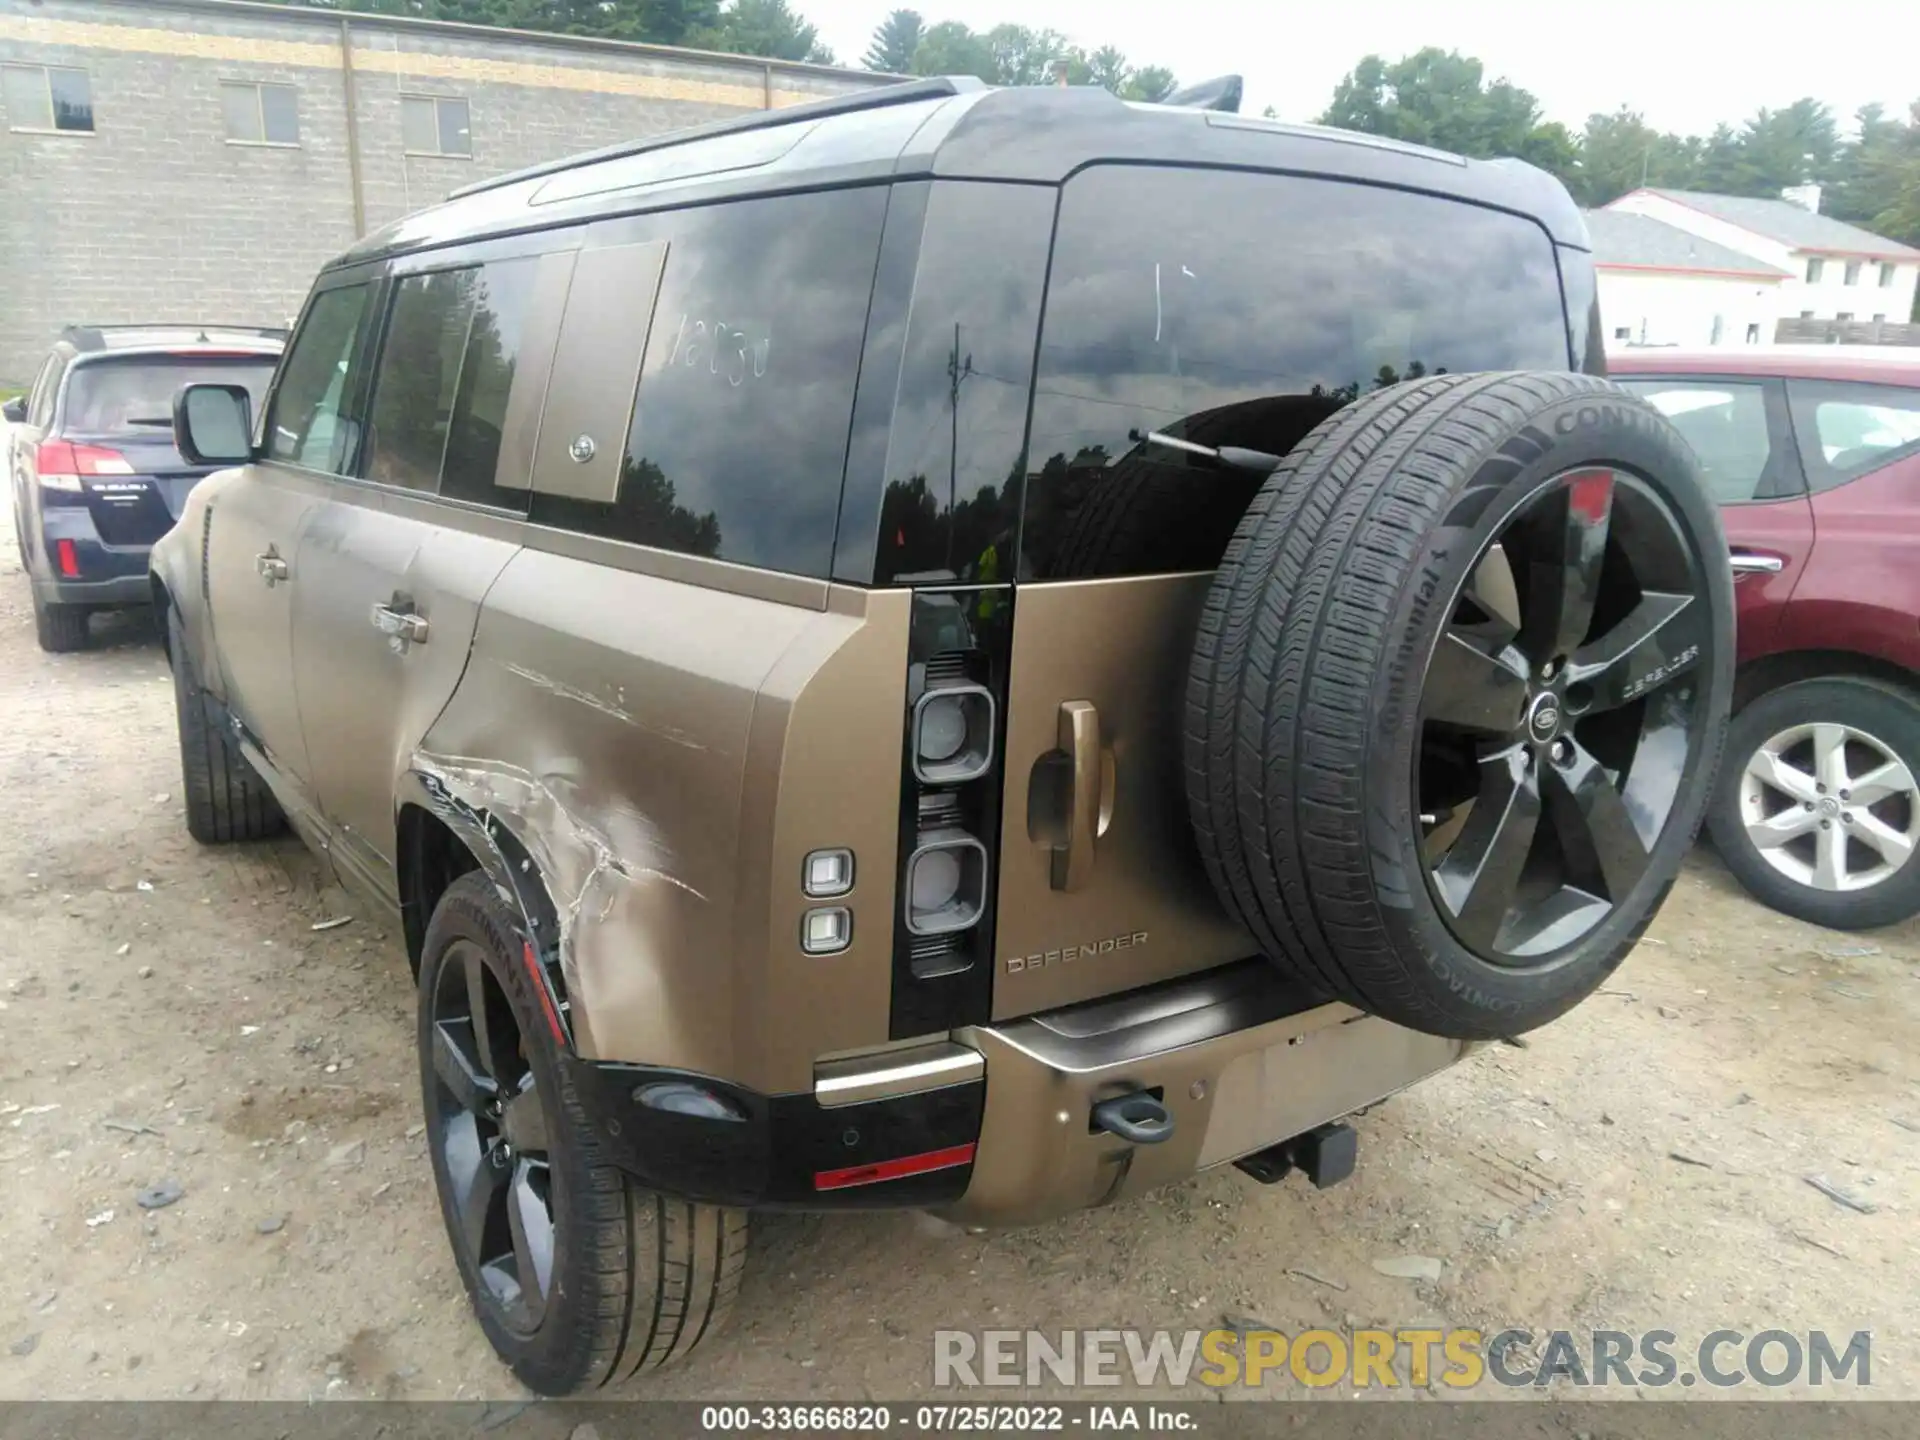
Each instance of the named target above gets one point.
<point>603,721</point>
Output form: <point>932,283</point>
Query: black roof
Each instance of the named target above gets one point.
<point>92,339</point>
<point>957,129</point>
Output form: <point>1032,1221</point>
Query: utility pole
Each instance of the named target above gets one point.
<point>958,371</point>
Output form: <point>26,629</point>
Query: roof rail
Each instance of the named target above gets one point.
<point>877,98</point>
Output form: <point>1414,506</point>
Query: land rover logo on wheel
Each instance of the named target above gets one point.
<point>1543,722</point>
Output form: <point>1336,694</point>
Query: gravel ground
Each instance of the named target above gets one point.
<point>172,1017</point>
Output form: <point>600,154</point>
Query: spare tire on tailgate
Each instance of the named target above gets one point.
<point>1457,696</point>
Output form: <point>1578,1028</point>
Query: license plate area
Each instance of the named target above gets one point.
<point>1272,1094</point>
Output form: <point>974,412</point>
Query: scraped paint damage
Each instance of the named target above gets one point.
<point>600,862</point>
<point>615,708</point>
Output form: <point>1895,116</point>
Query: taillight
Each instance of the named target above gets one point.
<point>62,465</point>
<point>958,650</point>
<point>67,559</point>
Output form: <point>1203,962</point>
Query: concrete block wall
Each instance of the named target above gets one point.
<point>157,216</point>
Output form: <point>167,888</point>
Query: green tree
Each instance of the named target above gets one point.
<point>1149,82</point>
<point>895,41</point>
<point>1778,148</point>
<point>1019,55</point>
<point>764,27</point>
<point>1621,152</point>
<point>1722,168</point>
<point>1441,98</point>
<point>951,48</point>
<point>1025,57</point>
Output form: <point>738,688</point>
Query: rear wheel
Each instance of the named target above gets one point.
<point>579,1276</point>
<point>1457,694</point>
<point>225,799</point>
<point>1818,809</point>
<point>59,628</point>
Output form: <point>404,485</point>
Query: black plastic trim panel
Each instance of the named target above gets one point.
<point>766,1158</point>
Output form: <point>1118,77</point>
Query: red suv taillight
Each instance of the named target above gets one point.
<point>62,465</point>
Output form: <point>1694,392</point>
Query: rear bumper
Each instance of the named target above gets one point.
<point>1232,1055</point>
<point>993,1125</point>
<point>109,574</point>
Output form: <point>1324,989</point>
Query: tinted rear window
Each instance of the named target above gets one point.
<point>115,397</point>
<point>1229,308</point>
<point>738,442</point>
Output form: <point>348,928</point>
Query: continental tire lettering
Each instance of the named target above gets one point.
<point>1587,417</point>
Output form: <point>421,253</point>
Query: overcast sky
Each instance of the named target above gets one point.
<point>1685,64</point>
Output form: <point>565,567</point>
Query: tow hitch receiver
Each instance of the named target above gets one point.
<point>1326,1154</point>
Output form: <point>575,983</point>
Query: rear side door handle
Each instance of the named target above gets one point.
<point>1752,562</point>
<point>271,567</point>
<point>400,625</point>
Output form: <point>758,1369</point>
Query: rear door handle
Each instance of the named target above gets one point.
<point>1090,798</point>
<point>401,627</point>
<point>1752,562</point>
<point>271,567</point>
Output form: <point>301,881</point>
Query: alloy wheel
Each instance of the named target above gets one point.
<point>1559,713</point>
<point>1830,806</point>
<point>488,1127</point>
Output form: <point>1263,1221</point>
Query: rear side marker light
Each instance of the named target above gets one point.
<point>69,561</point>
<point>948,1159</point>
<point>946,883</point>
<point>827,873</point>
<point>953,734</point>
<point>826,931</point>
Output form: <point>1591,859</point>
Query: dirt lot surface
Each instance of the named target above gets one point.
<point>171,1015</point>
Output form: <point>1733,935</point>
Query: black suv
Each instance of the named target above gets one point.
<point>96,477</point>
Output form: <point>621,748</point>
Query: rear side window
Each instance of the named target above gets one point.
<point>1725,421</point>
<point>1847,429</point>
<point>308,425</point>
<point>414,384</point>
<point>959,421</point>
<point>738,441</point>
<point>441,386</point>
<point>1223,308</point>
<point>135,395</point>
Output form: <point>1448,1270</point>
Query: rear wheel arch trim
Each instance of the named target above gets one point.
<point>507,862</point>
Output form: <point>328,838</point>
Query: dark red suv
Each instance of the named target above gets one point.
<point>1814,456</point>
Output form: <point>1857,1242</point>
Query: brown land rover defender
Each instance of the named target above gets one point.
<point>957,648</point>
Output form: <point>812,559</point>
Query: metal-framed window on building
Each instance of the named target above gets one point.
<point>258,113</point>
<point>1852,273</point>
<point>1815,268</point>
<point>49,99</point>
<point>1886,276</point>
<point>435,125</point>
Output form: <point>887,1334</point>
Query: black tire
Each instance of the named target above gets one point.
<point>60,629</point>
<point>225,799</point>
<point>1307,741</point>
<point>636,1279</point>
<point>1878,717</point>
